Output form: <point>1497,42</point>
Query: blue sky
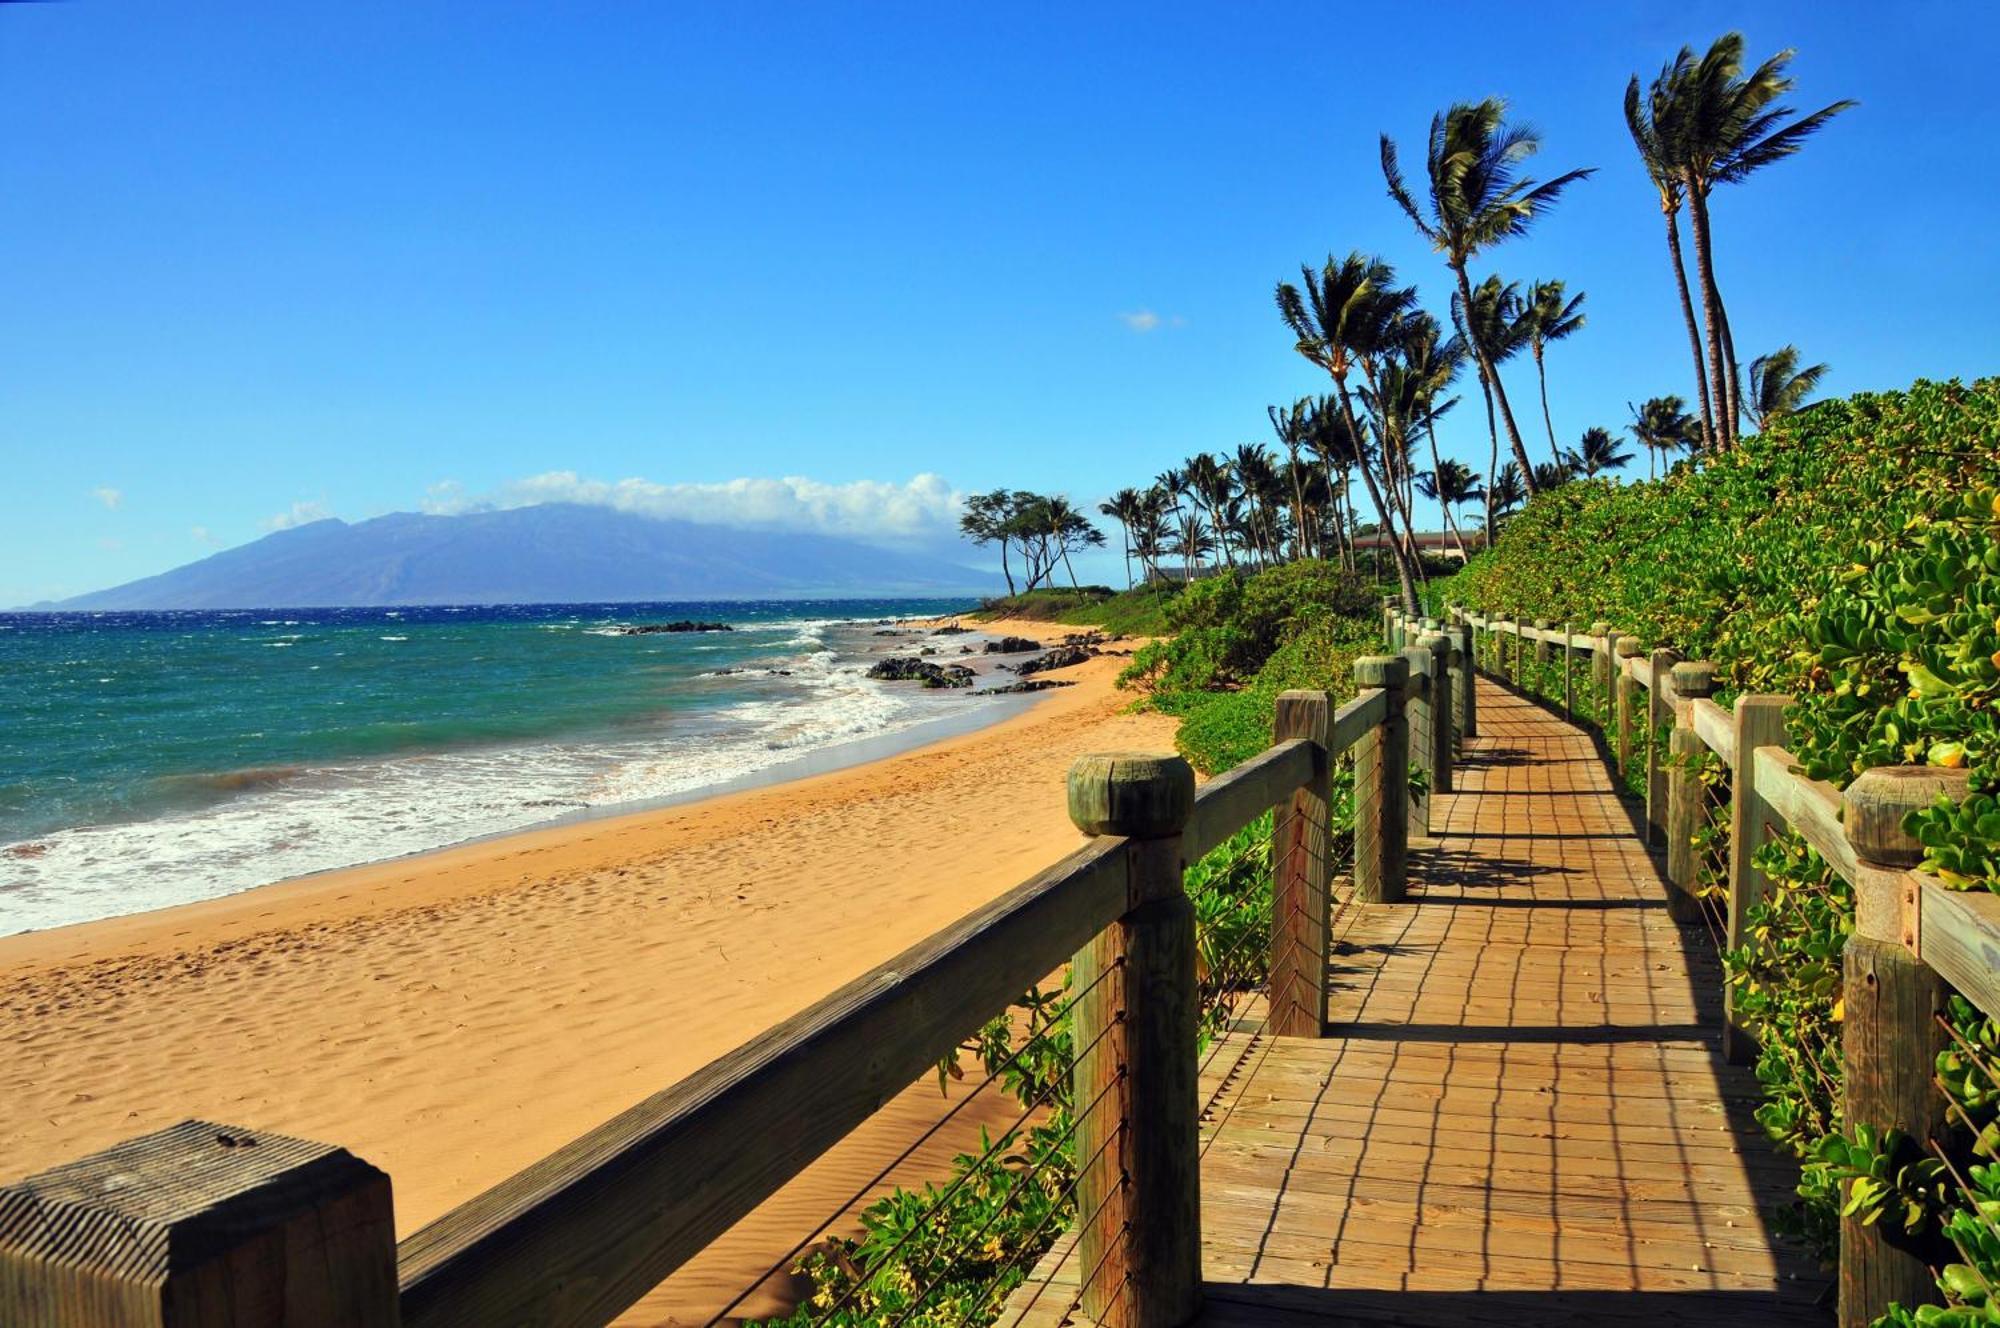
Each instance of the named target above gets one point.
<point>265,261</point>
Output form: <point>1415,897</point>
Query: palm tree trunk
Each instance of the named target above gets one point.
<point>1490,373</point>
<point>1708,435</point>
<point>1555,453</point>
<point>1492,457</point>
<point>1711,310</point>
<point>1404,574</point>
<point>1729,358</point>
<point>1126,537</point>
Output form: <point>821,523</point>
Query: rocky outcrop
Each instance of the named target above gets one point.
<point>950,629</point>
<point>1030,685</point>
<point>908,668</point>
<point>684,625</point>
<point>1061,657</point>
<point>1012,645</point>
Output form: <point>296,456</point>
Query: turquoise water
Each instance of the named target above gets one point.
<point>148,759</point>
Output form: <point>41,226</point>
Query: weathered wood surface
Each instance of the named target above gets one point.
<point>197,1225</point>
<point>1229,802</point>
<point>1758,721</point>
<point>583,1233</point>
<point>1519,1115</point>
<point>1357,717</point>
<point>1716,728</point>
<point>1959,936</point>
<point>1301,873</point>
<point>1809,806</point>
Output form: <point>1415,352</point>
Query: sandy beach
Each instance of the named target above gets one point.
<point>452,1017</point>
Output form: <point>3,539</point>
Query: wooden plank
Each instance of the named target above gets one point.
<point>1716,727</point>
<point>1301,875</point>
<point>1759,722</point>
<point>579,1236</point>
<point>1356,718</point>
<point>1809,806</point>
<point>200,1224</point>
<point>1959,936</point>
<point>1229,802</point>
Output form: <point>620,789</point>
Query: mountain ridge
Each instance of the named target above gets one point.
<point>548,553</point>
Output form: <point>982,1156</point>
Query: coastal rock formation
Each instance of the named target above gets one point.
<point>1012,645</point>
<point>949,629</point>
<point>684,625</point>
<point>1061,657</point>
<point>908,668</point>
<point>1032,685</point>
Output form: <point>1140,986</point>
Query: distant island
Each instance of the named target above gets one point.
<point>552,553</point>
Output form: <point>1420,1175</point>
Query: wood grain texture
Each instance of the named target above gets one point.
<point>1809,806</point>
<point>1437,707</point>
<point>1890,1039</point>
<point>1466,704</point>
<point>1142,794</point>
<point>1659,713</point>
<point>582,1234</point>
<point>1301,872</point>
<point>1356,718</point>
<point>196,1226</point>
<point>1716,728</point>
<point>1758,721</point>
<point>1685,798</point>
<point>1381,809</point>
<point>1422,750</point>
<point>1959,936</point>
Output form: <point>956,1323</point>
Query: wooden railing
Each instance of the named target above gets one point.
<point>1912,936</point>
<point>204,1224</point>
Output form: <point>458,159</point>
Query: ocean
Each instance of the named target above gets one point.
<point>150,759</point>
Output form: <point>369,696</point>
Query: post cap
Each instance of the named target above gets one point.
<point>1693,677</point>
<point>1873,807</point>
<point>1137,794</point>
<point>1541,624</point>
<point>1628,647</point>
<point>1600,628</point>
<point>1389,672</point>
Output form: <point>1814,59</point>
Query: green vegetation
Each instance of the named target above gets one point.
<point>1849,555</point>
<point>1137,612</point>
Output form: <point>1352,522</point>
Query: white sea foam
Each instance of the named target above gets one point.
<point>322,817</point>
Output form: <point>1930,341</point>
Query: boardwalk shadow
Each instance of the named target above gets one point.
<point>1440,865</point>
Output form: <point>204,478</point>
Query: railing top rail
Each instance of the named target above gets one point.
<point>1231,801</point>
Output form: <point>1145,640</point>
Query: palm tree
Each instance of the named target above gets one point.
<point>1778,386</point>
<point>1498,320</point>
<point>1477,199</point>
<point>1125,508</point>
<point>1209,483</point>
<point>1552,475</point>
<point>1291,426</point>
<point>1331,438</point>
<point>1506,492</point>
<point>1596,453</point>
<point>1451,484</point>
<point>1727,126</point>
<point>1347,317</point>
<point>1551,318</point>
<point>1150,533</point>
<point>1192,542</point>
<point>1665,427</point>
<point>1655,129</point>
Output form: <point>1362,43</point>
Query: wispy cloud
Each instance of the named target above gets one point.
<point>111,498</point>
<point>1143,320</point>
<point>203,535</point>
<point>923,509</point>
<point>301,514</point>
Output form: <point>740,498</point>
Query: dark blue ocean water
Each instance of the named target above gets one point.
<point>151,758</point>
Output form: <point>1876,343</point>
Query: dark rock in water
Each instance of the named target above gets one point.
<point>684,625</point>
<point>949,629</point>
<point>1031,685</point>
<point>889,631</point>
<point>906,668</point>
<point>1012,645</point>
<point>965,650</point>
<point>928,650</point>
<point>1061,657</point>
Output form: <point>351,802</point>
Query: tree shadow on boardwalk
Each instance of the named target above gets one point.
<point>1285,1305</point>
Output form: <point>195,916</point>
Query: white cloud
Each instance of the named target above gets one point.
<point>301,514</point>
<point>923,509</point>
<point>203,535</point>
<point>1145,320</point>
<point>110,497</point>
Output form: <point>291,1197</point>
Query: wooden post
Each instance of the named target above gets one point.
<point>201,1226</point>
<point>1684,792</point>
<point>1500,650</point>
<point>1136,1030</point>
<point>1467,708</point>
<point>1569,659</point>
<point>1438,703</point>
<point>1422,749</point>
<point>1760,722</point>
<point>1600,674</point>
<point>1302,874</point>
<point>1542,659</point>
<point>1381,775</point>
<point>1890,1036</point>
<point>1659,712</point>
<point>1626,704</point>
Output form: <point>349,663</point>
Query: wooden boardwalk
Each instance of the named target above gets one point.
<point>1521,1115</point>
